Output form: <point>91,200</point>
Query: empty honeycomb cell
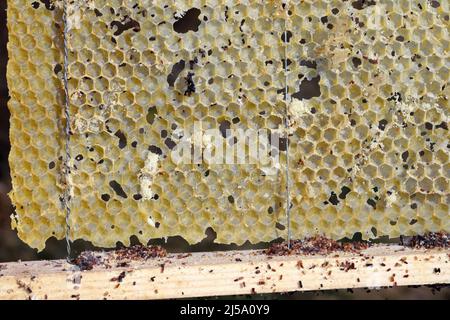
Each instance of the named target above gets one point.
<point>367,111</point>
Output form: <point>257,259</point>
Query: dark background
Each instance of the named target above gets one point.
<point>13,249</point>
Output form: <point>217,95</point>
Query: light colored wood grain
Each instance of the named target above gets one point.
<point>226,273</point>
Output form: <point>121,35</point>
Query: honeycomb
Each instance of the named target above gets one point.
<point>36,126</point>
<point>366,111</point>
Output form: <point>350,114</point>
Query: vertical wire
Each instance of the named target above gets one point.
<point>67,193</point>
<point>286,120</point>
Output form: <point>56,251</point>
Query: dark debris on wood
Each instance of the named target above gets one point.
<point>88,259</point>
<point>429,241</point>
<point>319,245</point>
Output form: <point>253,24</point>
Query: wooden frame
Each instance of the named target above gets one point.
<point>225,273</point>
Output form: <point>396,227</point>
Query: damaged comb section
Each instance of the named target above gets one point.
<point>368,118</point>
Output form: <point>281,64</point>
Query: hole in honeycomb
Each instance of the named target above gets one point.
<point>224,128</point>
<point>151,114</point>
<point>57,69</point>
<point>125,24</point>
<point>155,149</point>
<point>137,196</point>
<point>188,22</point>
<point>190,85</point>
<point>97,12</point>
<point>308,89</point>
<point>118,189</point>
<point>356,62</point>
<point>176,70</point>
<point>344,191</point>
<point>372,203</point>
<point>279,226</point>
<point>435,3</point>
<point>309,64</point>
<point>170,143</point>
<point>49,5</point>
<point>405,156</point>
<point>333,199</point>
<point>286,36</point>
<point>374,232</point>
<point>362,4</point>
<point>382,124</point>
<point>443,125</point>
<point>122,139</point>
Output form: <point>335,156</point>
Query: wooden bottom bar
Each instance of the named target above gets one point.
<point>225,273</point>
